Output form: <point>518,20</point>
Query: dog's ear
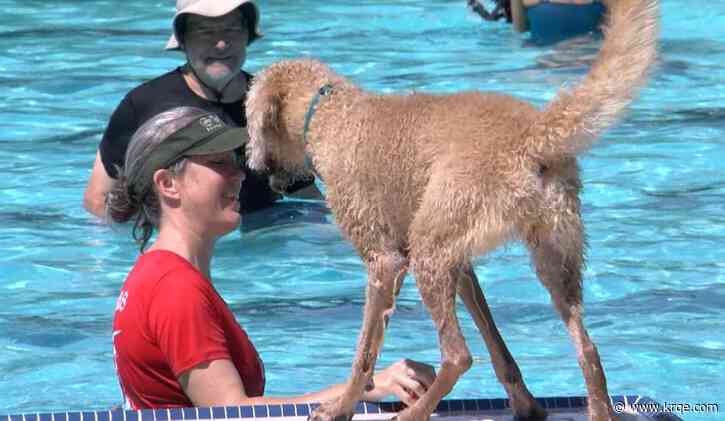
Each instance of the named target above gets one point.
<point>262,108</point>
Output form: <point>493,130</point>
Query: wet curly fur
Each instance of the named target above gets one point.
<point>424,183</point>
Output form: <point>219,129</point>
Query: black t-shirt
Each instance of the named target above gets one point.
<point>162,94</point>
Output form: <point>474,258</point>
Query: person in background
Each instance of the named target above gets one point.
<point>502,9</point>
<point>214,36</point>
<point>549,21</point>
<point>176,343</point>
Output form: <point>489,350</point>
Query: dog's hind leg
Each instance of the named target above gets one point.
<point>385,276</point>
<point>436,282</point>
<point>557,251</point>
<point>522,403</point>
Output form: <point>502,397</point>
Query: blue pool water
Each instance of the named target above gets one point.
<point>653,205</point>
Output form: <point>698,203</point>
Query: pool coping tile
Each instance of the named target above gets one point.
<point>304,409</point>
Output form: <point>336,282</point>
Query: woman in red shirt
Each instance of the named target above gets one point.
<point>176,342</point>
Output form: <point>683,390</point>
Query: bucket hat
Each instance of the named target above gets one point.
<point>207,134</point>
<point>214,8</point>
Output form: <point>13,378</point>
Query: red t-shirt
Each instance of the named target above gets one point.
<point>169,319</point>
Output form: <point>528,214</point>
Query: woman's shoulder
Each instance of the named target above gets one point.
<point>162,276</point>
<point>165,266</point>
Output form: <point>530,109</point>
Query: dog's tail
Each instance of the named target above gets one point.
<point>572,121</point>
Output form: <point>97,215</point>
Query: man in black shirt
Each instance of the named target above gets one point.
<point>214,37</point>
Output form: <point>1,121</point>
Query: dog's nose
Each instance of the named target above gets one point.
<point>271,165</point>
<point>279,183</point>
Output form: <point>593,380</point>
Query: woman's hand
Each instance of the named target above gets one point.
<point>406,379</point>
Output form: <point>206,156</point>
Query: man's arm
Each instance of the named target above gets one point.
<point>99,185</point>
<point>518,15</point>
<point>110,155</point>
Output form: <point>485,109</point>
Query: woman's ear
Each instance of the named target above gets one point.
<point>166,184</point>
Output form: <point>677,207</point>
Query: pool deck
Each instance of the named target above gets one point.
<point>630,408</point>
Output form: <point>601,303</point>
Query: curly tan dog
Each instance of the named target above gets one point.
<point>427,182</point>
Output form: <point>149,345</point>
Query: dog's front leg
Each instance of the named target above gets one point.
<point>385,274</point>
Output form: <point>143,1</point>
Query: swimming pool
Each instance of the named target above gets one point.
<point>653,205</point>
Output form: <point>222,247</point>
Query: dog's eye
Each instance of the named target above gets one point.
<point>542,169</point>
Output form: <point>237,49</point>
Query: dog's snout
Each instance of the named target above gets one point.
<point>271,165</point>
<point>279,182</point>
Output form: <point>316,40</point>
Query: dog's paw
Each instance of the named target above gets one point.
<point>326,417</point>
<point>409,416</point>
<point>529,411</point>
<point>330,411</point>
<point>611,417</point>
